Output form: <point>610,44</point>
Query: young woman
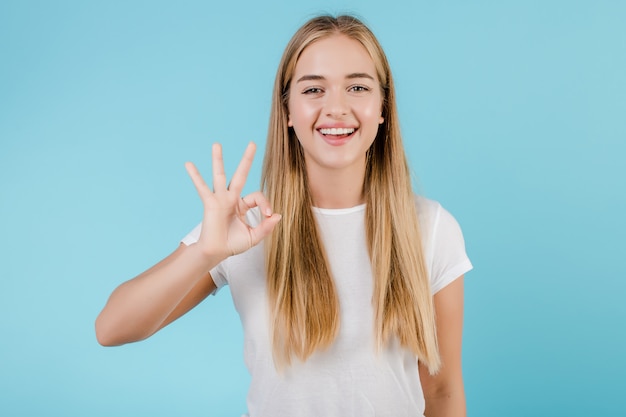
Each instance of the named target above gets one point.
<point>351,299</point>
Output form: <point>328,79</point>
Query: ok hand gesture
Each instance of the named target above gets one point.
<point>224,228</point>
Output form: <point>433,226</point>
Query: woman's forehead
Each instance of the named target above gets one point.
<point>335,55</point>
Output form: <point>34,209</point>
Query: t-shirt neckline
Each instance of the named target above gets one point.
<point>339,211</point>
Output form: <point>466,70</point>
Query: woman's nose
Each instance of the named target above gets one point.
<point>336,105</point>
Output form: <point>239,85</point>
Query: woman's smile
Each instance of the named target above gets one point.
<point>337,136</point>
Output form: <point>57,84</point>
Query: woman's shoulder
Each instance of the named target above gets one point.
<point>428,210</point>
<point>443,242</point>
<point>434,219</point>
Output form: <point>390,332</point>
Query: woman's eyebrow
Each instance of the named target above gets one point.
<point>311,78</point>
<point>321,77</point>
<point>359,75</point>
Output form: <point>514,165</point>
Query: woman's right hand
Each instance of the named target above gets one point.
<point>224,228</point>
<point>141,306</point>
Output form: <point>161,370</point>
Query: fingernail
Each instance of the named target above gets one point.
<point>268,212</point>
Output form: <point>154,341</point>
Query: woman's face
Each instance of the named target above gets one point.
<point>335,104</point>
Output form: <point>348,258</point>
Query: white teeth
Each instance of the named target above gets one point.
<point>337,131</point>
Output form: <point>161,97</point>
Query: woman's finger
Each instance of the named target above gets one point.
<point>219,176</point>
<point>241,174</point>
<point>259,233</point>
<point>257,199</point>
<point>203,190</point>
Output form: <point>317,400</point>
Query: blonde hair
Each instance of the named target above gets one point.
<point>303,301</point>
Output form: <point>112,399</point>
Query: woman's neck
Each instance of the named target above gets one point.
<point>335,189</point>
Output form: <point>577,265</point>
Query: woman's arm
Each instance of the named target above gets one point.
<point>140,307</point>
<point>444,392</point>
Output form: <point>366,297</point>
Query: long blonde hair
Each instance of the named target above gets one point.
<point>303,301</point>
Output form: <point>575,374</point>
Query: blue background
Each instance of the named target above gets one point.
<point>513,113</point>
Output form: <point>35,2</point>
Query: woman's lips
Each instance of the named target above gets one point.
<point>337,136</point>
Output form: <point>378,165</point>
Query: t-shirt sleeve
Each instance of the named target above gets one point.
<point>219,272</point>
<point>449,259</point>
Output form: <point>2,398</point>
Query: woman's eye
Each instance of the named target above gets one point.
<point>358,88</point>
<point>312,90</point>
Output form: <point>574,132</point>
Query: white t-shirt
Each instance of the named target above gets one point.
<point>349,378</point>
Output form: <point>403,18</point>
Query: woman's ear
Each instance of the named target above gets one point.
<point>381,120</point>
<point>289,123</point>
